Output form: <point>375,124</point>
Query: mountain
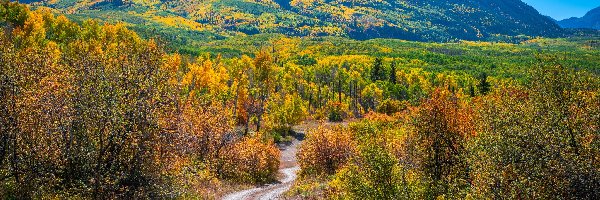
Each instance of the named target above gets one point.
<point>420,20</point>
<point>591,20</point>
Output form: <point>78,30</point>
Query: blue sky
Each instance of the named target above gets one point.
<point>561,9</point>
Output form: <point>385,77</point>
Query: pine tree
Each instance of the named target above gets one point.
<point>484,85</point>
<point>377,72</point>
<point>393,73</point>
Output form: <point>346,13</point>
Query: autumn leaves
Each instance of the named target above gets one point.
<point>534,141</point>
<point>93,111</point>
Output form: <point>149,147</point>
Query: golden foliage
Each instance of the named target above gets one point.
<point>326,150</point>
<point>252,161</point>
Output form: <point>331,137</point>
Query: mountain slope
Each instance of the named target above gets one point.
<point>432,20</point>
<point>591,20</point>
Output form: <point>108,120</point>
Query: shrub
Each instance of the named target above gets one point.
<point>195,181</point>
<point>442,127</point>
<point>284,112</point>
<point>392,106</point>
<point>376,174</point>
<point>538,143</point>
<point>373,128</point>
<point>335,112</point>
<point>325,150</point>
<point>204,131</point>
<point>251,161</point>
<point>87,121</point>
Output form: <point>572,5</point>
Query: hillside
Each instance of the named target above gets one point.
<point>591,20</point>
<point>436,20</point>
<point>92,110</point>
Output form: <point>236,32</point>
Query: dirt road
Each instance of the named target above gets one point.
<point>287,169</point>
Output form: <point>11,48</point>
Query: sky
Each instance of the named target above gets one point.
<point>562,9</point>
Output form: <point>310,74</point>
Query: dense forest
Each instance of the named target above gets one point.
<point>91,110</point>
<point>439,20</point>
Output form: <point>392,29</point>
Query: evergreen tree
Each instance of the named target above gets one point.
<point>393,73</point>
<point>472,90</point>
<point>484,86</point>
<point>378,72</point>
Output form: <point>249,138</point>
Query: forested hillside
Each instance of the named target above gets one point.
<point>91,110</point>
<point>439,20</point>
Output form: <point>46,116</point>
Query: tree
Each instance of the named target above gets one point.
<point>94,111</point>
<point>372,96</point>
<point>378,70</point>
<point>483,85</point>
<point>284,112</point>
<point>82,116</point>
<point>263,84</point>
<point>442,127</point>
<point>393,77</point>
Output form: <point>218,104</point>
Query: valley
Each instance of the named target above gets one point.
<point>302,99</point>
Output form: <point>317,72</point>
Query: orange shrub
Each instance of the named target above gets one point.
<point>251,160</point>
<point>443,124</point>
<point>326,150</point>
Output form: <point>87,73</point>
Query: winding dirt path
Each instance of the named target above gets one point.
<point>288,173</point>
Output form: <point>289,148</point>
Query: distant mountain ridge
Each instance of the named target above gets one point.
<point>419,20</point>
<point>591,20</point>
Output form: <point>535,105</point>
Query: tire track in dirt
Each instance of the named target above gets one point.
<point>288,169</point>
